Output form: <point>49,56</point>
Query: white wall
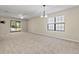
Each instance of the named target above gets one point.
<point>5,28</point>
<point>24,25</point>
<point>38,25</point>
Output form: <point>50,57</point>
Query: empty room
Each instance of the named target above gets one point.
<point>39,29</point>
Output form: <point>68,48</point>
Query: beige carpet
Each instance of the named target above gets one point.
<point>35,44</point>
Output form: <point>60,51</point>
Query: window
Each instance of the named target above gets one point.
<point>15,26</point>
<point>56,23</point>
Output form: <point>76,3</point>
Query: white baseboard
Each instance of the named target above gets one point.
<point>66,39</point>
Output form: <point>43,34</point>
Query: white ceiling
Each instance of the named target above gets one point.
<point>28,11</point>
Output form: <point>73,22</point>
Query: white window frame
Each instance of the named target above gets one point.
<point>55,23</point>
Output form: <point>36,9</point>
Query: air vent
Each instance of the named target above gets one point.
<point>3,22</point>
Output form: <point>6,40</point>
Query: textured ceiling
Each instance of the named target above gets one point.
<point>28,11</point>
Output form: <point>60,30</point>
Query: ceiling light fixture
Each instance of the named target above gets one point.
<point>44,12</point>
<point>22,17</point>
